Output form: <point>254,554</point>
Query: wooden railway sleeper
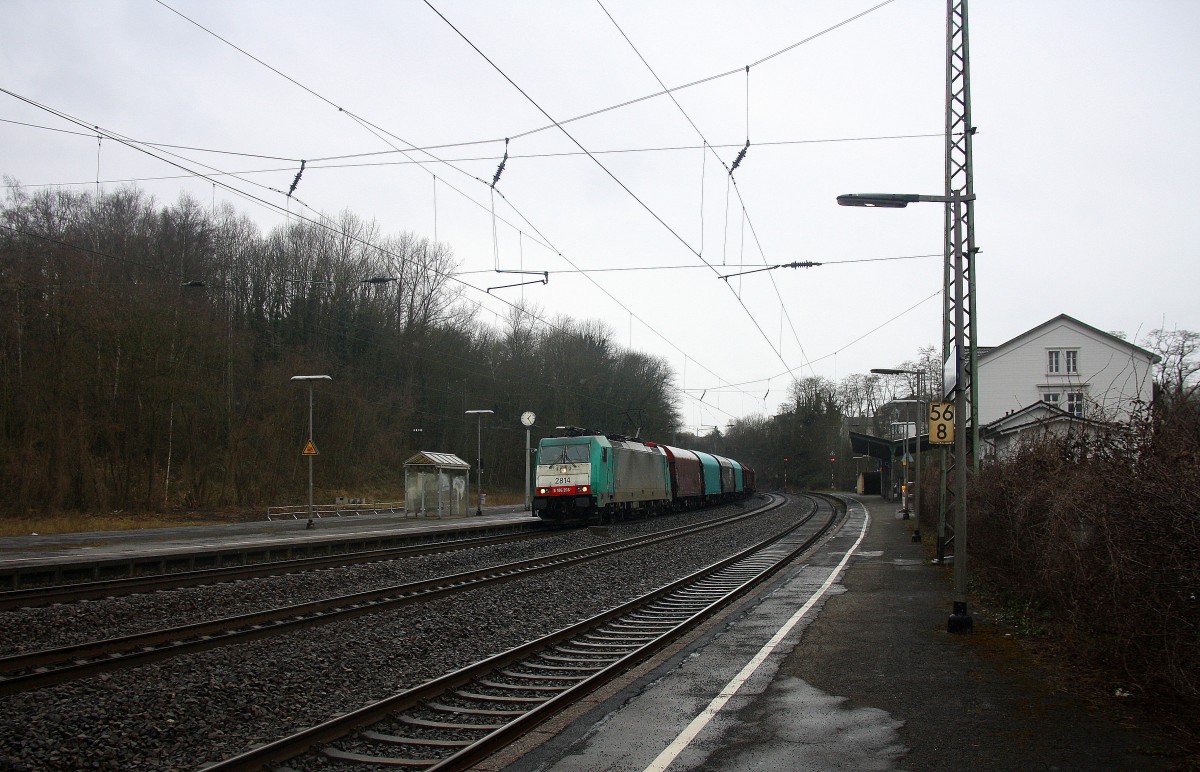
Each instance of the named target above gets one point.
<point>600,646</point>
<point>626,638</point>
<point>638,627</point>
<point>363,758</point>
<point>501,698</point>
<point>600,663</point>
<point>535,677</point>
<point>584,657</point>
<point>465,711</point>
<point>559,667</point>
<point>428,724</point>
<point>524,687</point>
<point>392,739</point>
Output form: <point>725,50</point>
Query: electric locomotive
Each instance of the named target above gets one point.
<point>588,475</point>
<point>591,476</point>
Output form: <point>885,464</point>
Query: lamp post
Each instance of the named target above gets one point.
<point>479,455</point>
<point>310,449</point>
<point>960,619</point>
<point>903,465</point>
<point>916,535</point>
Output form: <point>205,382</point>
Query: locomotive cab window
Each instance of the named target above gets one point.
<point>568,454</point>
<point>604,455</point>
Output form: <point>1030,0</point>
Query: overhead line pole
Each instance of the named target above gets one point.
<point>959,327</point>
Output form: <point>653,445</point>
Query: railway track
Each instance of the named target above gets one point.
<point>111,588</point>
<point>465,716</point>
<point>39,669</point>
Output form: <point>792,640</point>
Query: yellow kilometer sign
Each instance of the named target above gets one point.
<point>310,450</point>
<point>941,423</point>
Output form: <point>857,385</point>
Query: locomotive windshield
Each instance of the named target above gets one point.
<point>567,454</point>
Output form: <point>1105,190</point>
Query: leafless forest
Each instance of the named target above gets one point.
<point>146,351</point>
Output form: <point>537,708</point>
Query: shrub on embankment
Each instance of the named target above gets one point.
<point>1098,539</point>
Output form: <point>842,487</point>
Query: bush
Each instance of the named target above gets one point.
<point>1100,535</point>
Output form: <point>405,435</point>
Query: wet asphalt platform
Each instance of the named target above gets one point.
<point>862,676</point>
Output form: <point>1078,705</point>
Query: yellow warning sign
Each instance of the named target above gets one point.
<point>310,450</point>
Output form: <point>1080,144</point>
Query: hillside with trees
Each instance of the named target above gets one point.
<point>146,352</point>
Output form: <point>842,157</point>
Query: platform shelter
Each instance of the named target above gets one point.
<point>435,485</point>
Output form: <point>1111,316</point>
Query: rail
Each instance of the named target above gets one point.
<point>461,718</point>
<point>41,668</point>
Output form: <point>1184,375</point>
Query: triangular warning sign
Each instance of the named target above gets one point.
<point>310,450</point>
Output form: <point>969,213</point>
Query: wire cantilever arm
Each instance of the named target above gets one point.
<point>805,264</point>
<point>544,280</point>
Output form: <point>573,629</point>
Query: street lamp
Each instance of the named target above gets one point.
<point>960,619</point>
<point>916,535</point>
<point>310,449</point>
<point>904,510</point>
<point>479,454</point>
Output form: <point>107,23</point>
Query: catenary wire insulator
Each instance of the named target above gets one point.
<point>500,168</point>
<point>296,181</point>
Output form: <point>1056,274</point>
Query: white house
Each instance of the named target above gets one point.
<point>1084,372</point>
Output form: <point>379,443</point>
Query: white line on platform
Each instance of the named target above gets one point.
<point>689,733</point>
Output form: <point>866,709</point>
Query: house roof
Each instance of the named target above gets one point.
<point>1034,414</point>
<point>1108,337</point>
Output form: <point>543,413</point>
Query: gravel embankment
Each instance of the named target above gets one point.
<point>32,629</point>
<point>203,707</point>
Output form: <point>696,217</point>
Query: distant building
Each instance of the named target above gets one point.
<point>1087,375</point>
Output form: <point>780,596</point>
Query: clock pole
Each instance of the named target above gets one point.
<point>527,418</point>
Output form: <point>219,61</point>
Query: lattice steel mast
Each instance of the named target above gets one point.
<point>958,281</point>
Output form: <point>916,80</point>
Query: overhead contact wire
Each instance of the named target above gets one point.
<point>606,170</point>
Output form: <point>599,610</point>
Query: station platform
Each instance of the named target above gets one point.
<point>39,552</point>
<point>842,663</point>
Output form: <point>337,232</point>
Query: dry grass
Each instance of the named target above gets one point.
<point>117,521</point>
<point>82,522</point>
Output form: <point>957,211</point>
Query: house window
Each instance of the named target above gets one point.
<point>1051,397</point>
<point>1072,361</point>
<point>1052,361</point>
<point>1075,403</point>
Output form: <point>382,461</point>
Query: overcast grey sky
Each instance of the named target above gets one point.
<point>1085,163</point>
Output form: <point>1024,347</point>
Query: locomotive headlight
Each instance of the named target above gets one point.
<point>562,470</point>
<point>585,489</point>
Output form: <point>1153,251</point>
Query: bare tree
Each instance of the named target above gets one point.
<point>1180,360</point>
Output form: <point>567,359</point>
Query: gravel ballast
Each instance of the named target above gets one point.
<point>192,709</point>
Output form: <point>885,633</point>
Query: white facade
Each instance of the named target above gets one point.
<point>1068,364</point>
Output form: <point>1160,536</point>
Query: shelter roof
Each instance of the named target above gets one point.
<point>440,460</point>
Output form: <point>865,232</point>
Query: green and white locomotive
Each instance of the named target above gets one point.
<point>591,476</point>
